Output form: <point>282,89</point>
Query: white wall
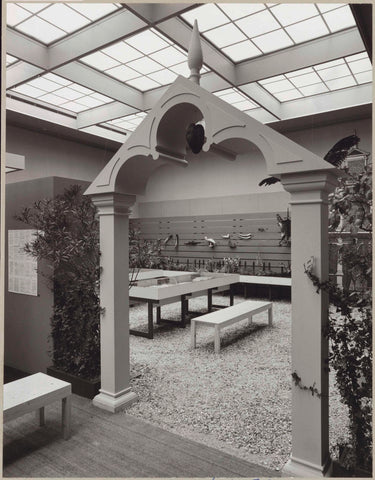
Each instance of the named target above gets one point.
<point>213,185</point>
<point>48,156</point>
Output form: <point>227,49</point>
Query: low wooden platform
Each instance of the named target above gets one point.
<point>107,445</point>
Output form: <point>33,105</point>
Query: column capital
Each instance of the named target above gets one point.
<point>310,187</point>
<point>113,203</point>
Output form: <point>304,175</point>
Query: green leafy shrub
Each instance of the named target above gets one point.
<point>67,240</point>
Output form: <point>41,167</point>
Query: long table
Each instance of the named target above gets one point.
<point>171,287</point>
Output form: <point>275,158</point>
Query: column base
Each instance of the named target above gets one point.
<point>114,402</point>
<point>299,468</point>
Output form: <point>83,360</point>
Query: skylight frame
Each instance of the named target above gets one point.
<point>161,64</point>
<point>344,78</point>
<point>71,96</point>
<point>256,40</point>
<point>23,25</point>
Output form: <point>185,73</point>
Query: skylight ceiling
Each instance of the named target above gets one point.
<point>325,77</point>
<point>106,64</point>
<point>48,22</point>
<point>58,92</point>
<point>144,61</point>
<point>247,30</point>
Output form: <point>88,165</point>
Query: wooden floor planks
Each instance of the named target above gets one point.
<point>107,445</point>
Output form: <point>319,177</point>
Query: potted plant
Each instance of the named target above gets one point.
<point>67,242</point>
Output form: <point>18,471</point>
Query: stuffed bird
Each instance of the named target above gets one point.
<point>195,137</point>
<point>335,156</point>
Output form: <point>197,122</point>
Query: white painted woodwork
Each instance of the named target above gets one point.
<point>259,280</point>
<point>33,393</point>
<point>115,392</point>
<point>228,316</point>
<point>309,221</point>
<point>195,57</point>
<point>187,286</point>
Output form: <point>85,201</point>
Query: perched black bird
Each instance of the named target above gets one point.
<point>195,137</point>
<point>335,156</point>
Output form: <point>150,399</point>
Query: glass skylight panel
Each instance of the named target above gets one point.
<point>55,90</point>
<point>122,52</point>
<point>339,19</point>
<point>225,35</point>
<point>93,11</point>
<point>245,105</point>
<point>273,41</point>
<point>364,77</point>
<point>10,60</point>
<point>357,56</point>
<point>307,30</point>
<point>123,73</point>
<point>236,98</point>
<point>100,61</point>
<point>238,10</point>
<point>360,65</point>
<point>145,65</point>
<point>208,16</point>
<point>242,51</point>
<point>41,30</point>
<point>279,86</point>
<point>313,89</point>
<point>164,77</point>
<point>258,24</point>
<point>64,17</point>
<point>304,80</point>
<point>16,14</point>
<point>181,69</point>
<point>147,42</point>
<point>322,66</point>
<point>143,83</point>
<point>169,56</point>
<point>339,83</point>
<point>288,13</point>
<point>48,22</point>
<point>288,95</point>
<point>334,72</point>
<point>326,7</point>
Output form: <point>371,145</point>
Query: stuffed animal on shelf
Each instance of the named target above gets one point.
<point>284,224</point>
<point>211,242</point>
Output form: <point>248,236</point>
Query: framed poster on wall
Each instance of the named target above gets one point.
<point>22,268</point>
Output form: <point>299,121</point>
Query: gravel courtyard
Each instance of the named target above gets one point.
<point>239,400</point>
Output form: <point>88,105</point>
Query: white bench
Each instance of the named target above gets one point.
<point>33,393</point>
<point>228,316</point>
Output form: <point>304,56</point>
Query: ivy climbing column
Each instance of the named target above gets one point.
<point>115,392</point>
<point>309,206</point>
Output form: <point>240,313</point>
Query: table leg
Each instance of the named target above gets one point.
<point>150,320</point>
<point>217,339</point>
<point>209,299</point>
<point>246,291</point>
<point>40,417</point>
<point>231,295</point>
<point>183,311</point>
<point>269,292</point>
<point>66,416</point>
<point>250,320</point>
<point>193,334</point>
<point>158,315</point>
<point>270,316</point>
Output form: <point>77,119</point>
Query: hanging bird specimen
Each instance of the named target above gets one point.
<point>335,156</point>
<point>195,137</point>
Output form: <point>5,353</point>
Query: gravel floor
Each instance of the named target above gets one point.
<point>238,401</point>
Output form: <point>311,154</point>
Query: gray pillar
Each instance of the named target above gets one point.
<point>309,206</point>
<point>115,392</point>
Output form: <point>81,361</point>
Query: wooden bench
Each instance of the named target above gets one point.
<point>270,282</point>
<point>228,316</point>
<point>33,393</point>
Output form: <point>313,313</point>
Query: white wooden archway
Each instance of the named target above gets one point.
<point>160,139</point>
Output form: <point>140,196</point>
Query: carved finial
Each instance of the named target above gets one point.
<point>195,56</point>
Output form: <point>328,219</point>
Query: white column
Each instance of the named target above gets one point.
<point>309,236</point>
<point>115,392</point>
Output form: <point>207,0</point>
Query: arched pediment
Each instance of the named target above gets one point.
<point>160,139</point>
